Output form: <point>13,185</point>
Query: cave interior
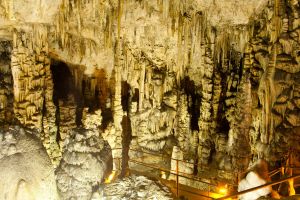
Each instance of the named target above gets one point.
<point>149,99</point>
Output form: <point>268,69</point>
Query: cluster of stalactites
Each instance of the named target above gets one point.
<point>80,22</point>
<point>31,73</point>
<point>33,85</point>
<point>8,6</point>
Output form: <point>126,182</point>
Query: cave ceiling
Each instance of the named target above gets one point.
<point>139,24</point>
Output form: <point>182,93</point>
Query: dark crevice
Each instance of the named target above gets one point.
<point>126,139</point>
<point>5,59</point>
<point>222,122</point>
<point>107,117</point>
<point>63,81</point>
<point>135,97</point>
<point>125,94</point>
<point>64,87</point>
<point>194,106</point>
<point>212,154</point>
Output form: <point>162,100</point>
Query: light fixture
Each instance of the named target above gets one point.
<point>110,177</point>
<point>223,190</point>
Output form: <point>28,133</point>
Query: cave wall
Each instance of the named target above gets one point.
<point>275,81</point>
<point>6,84</point>
<point>224,88</point>
<point>33,86</point>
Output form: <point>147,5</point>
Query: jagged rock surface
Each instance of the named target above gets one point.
<point>218,79</point>
<point>85,161</point>
<point>135,188</point>
<point>6,84</point>
<point>33,86</point>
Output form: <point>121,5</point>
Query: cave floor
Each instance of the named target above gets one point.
<point>185,192</point>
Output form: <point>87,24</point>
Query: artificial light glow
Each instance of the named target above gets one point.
<point>110,177</point>
<point>216,196</point>
<point>163,175</point>
<point>223,190</point>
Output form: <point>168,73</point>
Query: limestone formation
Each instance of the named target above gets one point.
<point>216,81</point>
<point>33,86</point>
<point>85,161</point>
<point>6,84</point>
<point>136,187</point>
<point>67,121</point>
<point>26,169</point>
<point>183,167</point>
<point>258,175</point>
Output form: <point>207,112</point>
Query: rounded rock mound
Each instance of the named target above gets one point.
<point>26,172</point>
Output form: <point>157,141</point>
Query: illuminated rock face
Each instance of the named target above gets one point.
<point>26,169</point>
<point>33,86</point>
<point>85,161</point>
<point>258,175</point>
<point>136,187</point>
<point>219,79</point>
<point>31,11</point>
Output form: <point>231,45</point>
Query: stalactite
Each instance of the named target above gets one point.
<point>142,86</point>
<point>276,20</point>
<point>78,8</point>
<point>33,85</point>
<point>179,48</point>
<point>267,97</point>
<point>11,14</point>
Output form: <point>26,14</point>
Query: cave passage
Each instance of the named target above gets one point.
<point>194,106</point>
<point>195,95</point>
<point>65,96</point>
<point>63,81</point>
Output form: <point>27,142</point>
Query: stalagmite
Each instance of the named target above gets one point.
<point>84,164</point>
<point>26,169</point>
<point>214,83</point>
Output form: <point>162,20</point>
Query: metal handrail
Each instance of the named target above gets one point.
<point>259,187</point>
<point>274,172</point>
<point>171,172</point>
<point>177,175</point>
<point>181,174</point>
<point>237,174</point>
<point>179,160</point>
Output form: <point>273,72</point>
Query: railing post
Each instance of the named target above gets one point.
<point>177,179</point>
<point>291,183</point>
<point>282,171</point>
